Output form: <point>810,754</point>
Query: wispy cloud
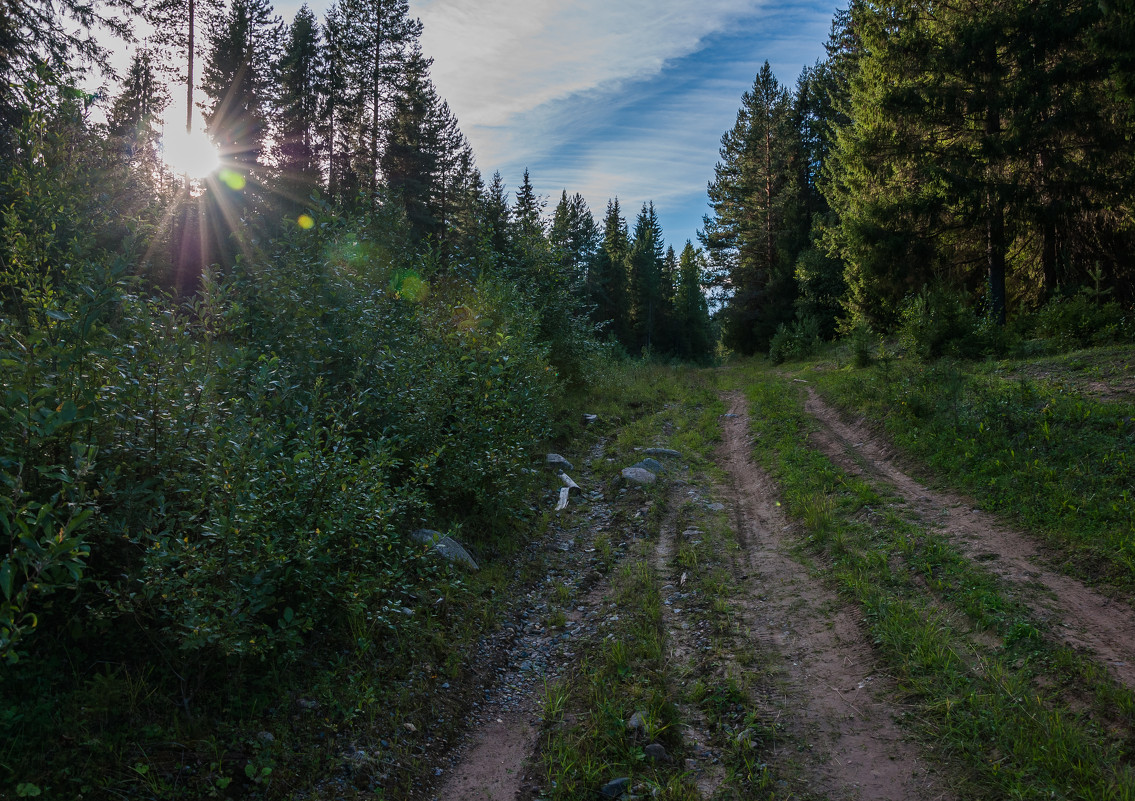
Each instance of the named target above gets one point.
<point>612,97</point>
<point>497,58</point>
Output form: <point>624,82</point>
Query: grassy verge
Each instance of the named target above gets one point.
<point>1027,719</point>
<point>1035,451</point>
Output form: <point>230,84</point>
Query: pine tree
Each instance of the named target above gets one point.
<point>752,194</point>
<point>336,112</point>
<point>607,277</point>
<point>178,26</point>
<point>574,237</point>
<point>243,46</point>
<point>645,272</point>
<point>299,94</point>
<point>378,37</point>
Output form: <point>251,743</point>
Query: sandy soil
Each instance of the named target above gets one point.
<point>836,700</point>
<point>1078,615</point>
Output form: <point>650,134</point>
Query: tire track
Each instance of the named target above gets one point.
<point>1079,616</point>
<point>837,699</point>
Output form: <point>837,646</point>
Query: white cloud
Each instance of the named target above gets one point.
<point>494,59</point>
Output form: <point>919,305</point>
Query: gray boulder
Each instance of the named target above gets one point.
<point>652,465</point>
<point>662,452</point>
<point>445,546</point>
<point>557,463</point>
<point>638,475</point>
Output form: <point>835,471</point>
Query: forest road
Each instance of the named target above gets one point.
<point>836,701</point>
<point>1077,615</point>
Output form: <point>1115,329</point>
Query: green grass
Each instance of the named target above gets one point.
<point>1051,460</point>
<point>619,675</point>
<point>1023,717</point>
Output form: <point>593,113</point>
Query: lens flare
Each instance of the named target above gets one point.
<point>232,179</point>
<point>189,153</point>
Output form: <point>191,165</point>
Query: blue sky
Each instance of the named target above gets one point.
<point>612,97</point>
<point>607,97</point>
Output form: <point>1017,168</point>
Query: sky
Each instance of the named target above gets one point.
<point>625,98</point>
<point>607,98</point>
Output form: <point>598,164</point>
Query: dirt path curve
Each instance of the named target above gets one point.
<point>837,702</point>
<point>1080,616</point>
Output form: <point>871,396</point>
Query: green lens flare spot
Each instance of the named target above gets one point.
<point>232,179</point>
<point>408,285</point>
<point>305,222</point>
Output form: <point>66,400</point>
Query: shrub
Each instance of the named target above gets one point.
<point>1082,320</point>
<point>936,323</point>
<point>799,341</point>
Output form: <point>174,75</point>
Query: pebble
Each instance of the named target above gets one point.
<point>616,788</point>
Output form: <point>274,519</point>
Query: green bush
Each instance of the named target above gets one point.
<point>936,323</point>
<point>1081,320</point>
<point>799,341</point>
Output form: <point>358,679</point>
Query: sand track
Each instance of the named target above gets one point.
<point>1078,615</point>
<point>837,702</point>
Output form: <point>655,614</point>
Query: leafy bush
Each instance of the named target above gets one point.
<point>935,323</point>
<point>799,341</point>
<point>235,473</point>
<point>1082,320</point>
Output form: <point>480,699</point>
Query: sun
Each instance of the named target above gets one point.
<point>189,153</point>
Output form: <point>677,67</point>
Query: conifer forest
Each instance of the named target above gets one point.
<point>256,368</point>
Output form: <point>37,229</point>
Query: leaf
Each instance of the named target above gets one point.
<point>57,315</point>
<point>7,580</point>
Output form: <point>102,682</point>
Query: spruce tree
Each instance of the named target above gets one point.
<point>574,237</point>
<point>607,277</point>
<point>752,194</point>
<point>694,332</point>
<point>647,290</point>
<point>498,221</point>
<point>134,114</point>
<point>377,39</point>
<point>299,94</point>
<point>243,46</point>
<point>527,211</point>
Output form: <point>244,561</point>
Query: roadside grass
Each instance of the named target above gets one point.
<point>1037,452</point>
<point>1026,718</point>
<point>587,742</point>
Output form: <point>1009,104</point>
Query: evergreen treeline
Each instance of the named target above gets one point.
<point>945,162</point>
<point>225,404</point>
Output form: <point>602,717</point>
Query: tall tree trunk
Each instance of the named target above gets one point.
<point>189,77</point>
<point>1049,249</point>
<point>995,206</point>
<point>376,77</point>
<point>995,256</point>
